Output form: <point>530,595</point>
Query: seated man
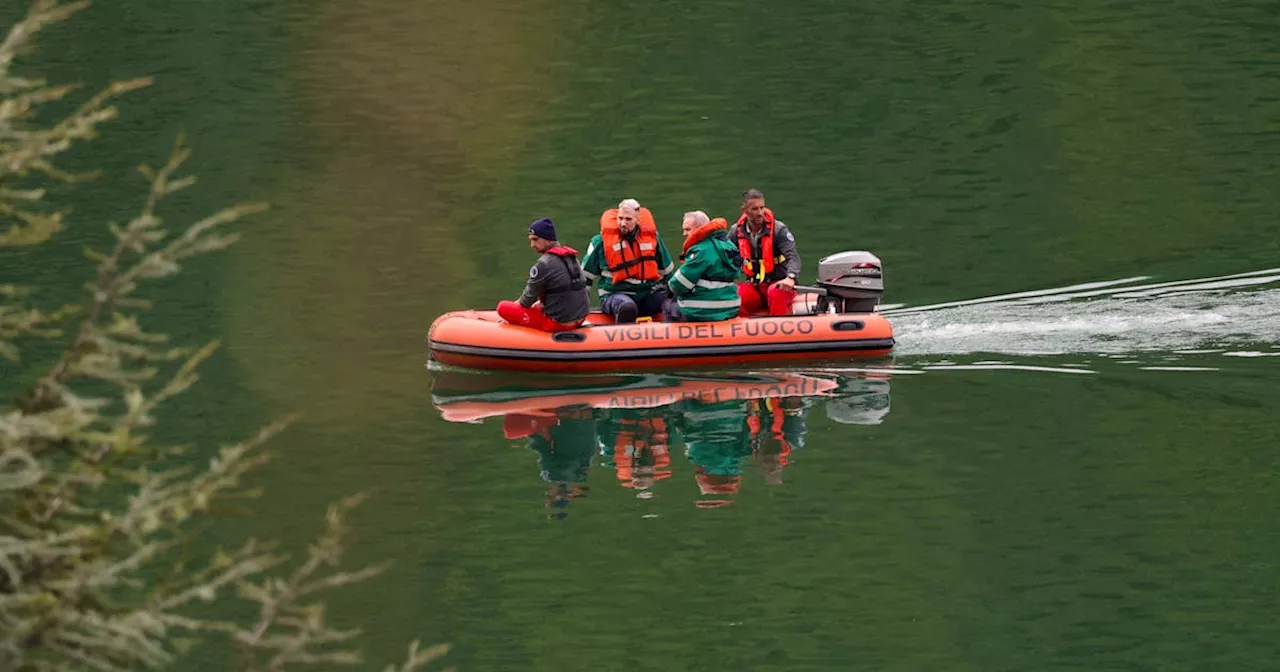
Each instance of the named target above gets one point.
<point>705,285</point>
<point>630,261</point>
<point>769,255</point>
<point>555,281</point>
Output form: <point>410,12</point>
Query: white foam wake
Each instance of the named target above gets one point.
<point>1109,317</point>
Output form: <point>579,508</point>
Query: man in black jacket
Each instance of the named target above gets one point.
<point>555,297</point>
<point>771,260</point>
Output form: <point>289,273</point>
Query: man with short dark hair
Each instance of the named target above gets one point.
<point>555,296</point>
<point>770,259</point>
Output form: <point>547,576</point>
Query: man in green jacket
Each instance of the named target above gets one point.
<point>630,261</point>
<point>705,286</point>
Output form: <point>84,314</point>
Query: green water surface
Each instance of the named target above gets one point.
<point>1078,484</point>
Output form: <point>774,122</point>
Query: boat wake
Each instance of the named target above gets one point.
<point>1234,315</point>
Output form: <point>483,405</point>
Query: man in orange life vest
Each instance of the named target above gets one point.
<point>770,259</point>
<point>555,296</point>
<point>631,262</point>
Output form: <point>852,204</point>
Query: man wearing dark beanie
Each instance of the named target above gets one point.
<point>555,297</point>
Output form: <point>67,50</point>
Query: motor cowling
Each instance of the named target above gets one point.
<point>853,282</point>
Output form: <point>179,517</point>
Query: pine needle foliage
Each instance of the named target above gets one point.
<point>86,512</point>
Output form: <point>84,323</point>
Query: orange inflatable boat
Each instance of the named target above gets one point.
<point>832,321</point>
<point>462,397</point>
<point>481,340</point>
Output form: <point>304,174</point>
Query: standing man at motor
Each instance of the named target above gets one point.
<point>630,262</point>
<point>555,296</point>
<point>770,259</point>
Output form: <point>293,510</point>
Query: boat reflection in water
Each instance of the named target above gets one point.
<point>632,423</point>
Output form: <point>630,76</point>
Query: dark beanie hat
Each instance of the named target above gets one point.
<point>544,228</point>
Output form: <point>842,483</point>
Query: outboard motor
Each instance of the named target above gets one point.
<point>851,282</point>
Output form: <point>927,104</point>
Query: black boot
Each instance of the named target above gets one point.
<point>627,313</point>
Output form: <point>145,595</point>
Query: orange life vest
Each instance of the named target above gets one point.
<point>640,449</point>
<point>758,269</point>
<point>631,259</point>
<point>699,234</point>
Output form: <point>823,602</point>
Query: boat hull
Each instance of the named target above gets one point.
<point>481,340</point>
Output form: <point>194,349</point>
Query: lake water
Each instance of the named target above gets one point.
<point>1070,462</point>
